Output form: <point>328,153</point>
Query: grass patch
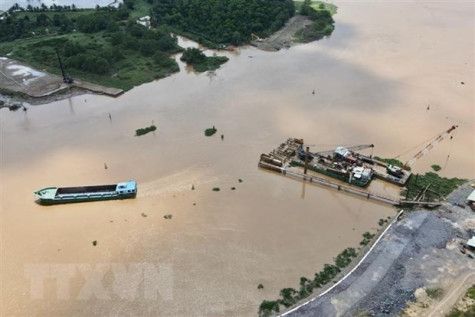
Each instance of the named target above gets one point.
<point>210,131</point>
<point>471,292</point>
<point>435,293</point>
<point>391,161</point>
<point>318,5</point>
<point>146,130</point>
<point>439,187</point>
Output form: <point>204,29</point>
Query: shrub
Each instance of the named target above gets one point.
<point>210,131</point>
<point>146,130</point>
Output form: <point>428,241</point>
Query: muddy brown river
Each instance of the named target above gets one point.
<point>374,79</point>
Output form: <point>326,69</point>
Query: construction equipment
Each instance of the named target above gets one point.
<point>429,146</point>
<point>350,148</point>
<point>66,78</point>
<point>256,37</point>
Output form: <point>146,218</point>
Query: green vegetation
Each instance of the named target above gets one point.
<point>144,215</point>
<point>216,189</point>
<point>470,311</point>
<point>167,216</point>
<point>366,238</point>
<point>435,293</point>
<point>438,187</point>
<point>218,21</point>
<point>260,286</point>
<point>436,167</point>
<point>146,130</point>
<point>94,243</point>
<point>233,188</point>
<point>317,5</point>
<point>323,23</point>
<point>240,180</point>
<point>391,161</point>
<point>104,46</point>
<point>382,221</point>
<point>210,131</point>
<point>471,292</point>
<point>201,62</point>
<point>290,296</point>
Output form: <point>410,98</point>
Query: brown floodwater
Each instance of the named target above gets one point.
<point>373,79</point>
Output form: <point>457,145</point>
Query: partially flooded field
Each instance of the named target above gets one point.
<point>373,81</point>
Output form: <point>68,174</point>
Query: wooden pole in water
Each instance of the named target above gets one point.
<point>306,160</point>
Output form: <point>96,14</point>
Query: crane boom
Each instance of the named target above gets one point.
<point>351,148</point>
<point>429,146</point>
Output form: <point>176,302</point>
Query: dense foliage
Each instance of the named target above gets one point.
<point>323,23</point>
<point>101,45</point>
<point>435,187</point>
<point>201,62</point>
<point>219,21</point>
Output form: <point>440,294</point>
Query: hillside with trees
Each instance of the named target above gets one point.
<point>219,21</point>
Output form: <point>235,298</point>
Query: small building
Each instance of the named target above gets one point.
<point>471,200</point>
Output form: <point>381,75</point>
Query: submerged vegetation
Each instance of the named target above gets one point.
<point>290,296</point>
<point>210,131</point>
<point>431,186</point>
<point>146,130</point>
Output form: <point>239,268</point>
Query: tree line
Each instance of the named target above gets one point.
<point>218,21</point>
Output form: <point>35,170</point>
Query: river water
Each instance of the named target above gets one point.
<point>373,79</point>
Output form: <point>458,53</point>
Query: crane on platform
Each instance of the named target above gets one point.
<point>350,148</point>
<point>429,146</point>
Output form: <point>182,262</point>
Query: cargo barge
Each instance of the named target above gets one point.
<point>63,195</point>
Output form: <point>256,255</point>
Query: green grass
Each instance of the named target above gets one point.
<point>470,312</point>
<point>471,292</point>
<point>316,5</point>
<point>132,71</point>
<point>439,186</point>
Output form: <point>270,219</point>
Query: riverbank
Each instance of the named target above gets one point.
<point>419,253</point>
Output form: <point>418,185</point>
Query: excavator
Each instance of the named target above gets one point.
<point>256,37</point>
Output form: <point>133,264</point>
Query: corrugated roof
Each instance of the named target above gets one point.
<point>471,197</point>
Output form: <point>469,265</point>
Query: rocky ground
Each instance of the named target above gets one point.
<point>284,37</point>
<point>419,252</point>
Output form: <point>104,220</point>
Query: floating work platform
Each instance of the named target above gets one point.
<point>289,159</point>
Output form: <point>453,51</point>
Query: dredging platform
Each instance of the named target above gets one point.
<point>293,159</point>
